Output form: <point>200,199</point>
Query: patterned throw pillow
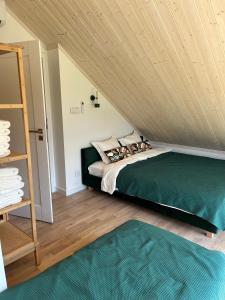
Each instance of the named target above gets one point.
<point>139,147</point>
<point>118,153</point>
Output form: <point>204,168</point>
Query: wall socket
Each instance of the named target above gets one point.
<point>75,110</point>
<point>77,173</point>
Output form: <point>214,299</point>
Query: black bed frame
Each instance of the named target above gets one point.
<point>90,155</point>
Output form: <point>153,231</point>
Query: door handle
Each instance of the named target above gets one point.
<point>39,131</point>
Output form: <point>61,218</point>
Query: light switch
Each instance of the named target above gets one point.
<point>75,110</point>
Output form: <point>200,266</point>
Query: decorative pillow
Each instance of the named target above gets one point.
<point>130,139</point>
<point>105,145</point>
<point>118,153</point>
<point>139,147</point>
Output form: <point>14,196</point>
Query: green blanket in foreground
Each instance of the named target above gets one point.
<point>194,184</point>
<point>134,261</point>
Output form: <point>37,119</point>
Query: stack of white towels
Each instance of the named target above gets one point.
<point>11,185</point>
<point>4,138</point>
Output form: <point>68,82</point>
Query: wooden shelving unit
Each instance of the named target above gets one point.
<point>16,243</point>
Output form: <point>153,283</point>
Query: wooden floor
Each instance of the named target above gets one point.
<point>82,218</point>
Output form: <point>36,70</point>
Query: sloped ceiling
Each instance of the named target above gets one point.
<point>160,62</point>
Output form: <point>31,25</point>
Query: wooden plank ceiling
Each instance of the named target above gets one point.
<point>160,62</point>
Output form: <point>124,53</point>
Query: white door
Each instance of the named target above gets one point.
<point>9,91</point>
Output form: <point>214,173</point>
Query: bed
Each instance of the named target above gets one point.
<point>190,188</point>
<point>134,261</point>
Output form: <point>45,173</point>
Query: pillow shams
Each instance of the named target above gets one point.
<point>130,139</point>
<point>102,146</point>
<point>118,153</point>
<point>139,147</point>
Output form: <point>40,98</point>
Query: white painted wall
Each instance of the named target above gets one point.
<point>191,150</point>
<point>80,129</point>
<point>13,31</point>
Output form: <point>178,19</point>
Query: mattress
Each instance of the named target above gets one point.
<point>96,169</point>
<point>134,261</point>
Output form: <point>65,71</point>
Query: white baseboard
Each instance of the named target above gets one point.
<point>192,150</point>
<point>75,189</point>
<point>70,191</point>
<point>60,190</point>
<point>53,189</point>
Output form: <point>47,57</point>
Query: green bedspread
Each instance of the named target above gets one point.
<point>192,183</point>
<point>135,261</point>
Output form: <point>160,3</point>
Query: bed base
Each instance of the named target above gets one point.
<point>90,188</point>
<point>90,155</point>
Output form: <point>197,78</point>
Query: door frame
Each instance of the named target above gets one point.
<point>48,110</point>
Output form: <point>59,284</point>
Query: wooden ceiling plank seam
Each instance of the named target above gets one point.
<point>143,72</point>
<point>146,26</point>
<point>205,120</point>
<point>143,18</point>
<point>218,48</point>
<point>217,76</point>
<point>168,90</point>
<point>213,69</point>
<point>178,55</point>
<point>163,25</point>
<point>19,9</point>
<point>185,11</point>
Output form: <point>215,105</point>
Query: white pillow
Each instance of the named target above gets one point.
<point>105,145</point>
<point>97,168</point>
<point>130,139</point>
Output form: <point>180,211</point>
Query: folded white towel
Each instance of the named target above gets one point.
<point>5,153</point>
<point>13,178</point>
<point>4,131</point>
<point>8,201</point>
<point>11,202</point>
<point>4,124</point>
<point>10,171</point>
<point>4,139</point>
<point>4,146</point>
<point>12,195</point>
<point>7,187</point>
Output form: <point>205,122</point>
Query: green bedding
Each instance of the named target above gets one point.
<point>192,183</point>
<point>134,261</point>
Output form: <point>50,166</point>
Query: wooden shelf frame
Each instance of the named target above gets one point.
<point>12,157</point>
<point>12,207</point>
<point>11,106</point>
<point>23,243</point>
<point>16,243</point>
<point>6,48</point>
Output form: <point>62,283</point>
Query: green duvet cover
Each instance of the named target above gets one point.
<point>192,183</point>
<point>134,261</point>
